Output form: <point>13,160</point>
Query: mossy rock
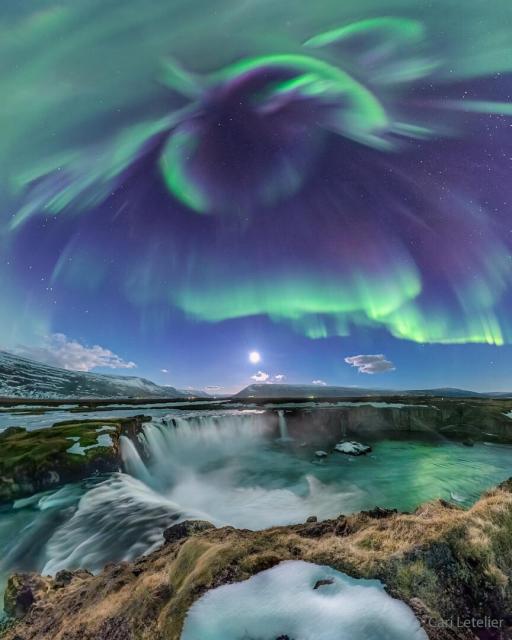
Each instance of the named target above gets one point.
<point>33,461</point>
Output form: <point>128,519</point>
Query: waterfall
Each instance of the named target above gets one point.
<point>283,427</point>
<point>175,445</point>
<point>117,519</point>
<point>132,461</point>
<point>343,424</point>
<point>221,466</point>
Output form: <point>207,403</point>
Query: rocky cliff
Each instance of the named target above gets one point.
<point>463,419</point>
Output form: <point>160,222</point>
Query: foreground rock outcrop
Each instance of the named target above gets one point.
<point>34,461</point>
<point>452,567</point>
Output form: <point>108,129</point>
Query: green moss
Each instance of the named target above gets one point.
<point>501,540</point>
<point>417,580</point>
<point>186,562</point>
<point>42,447</point>
<point>33,461</point>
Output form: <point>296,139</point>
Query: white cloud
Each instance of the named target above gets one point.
<point>370,363</point>
<point>60,351</point>
<point>213,388</point>
<point>261,376</point>
<point>279,377</point>
<point>320,383</point>
<point>164,370</point>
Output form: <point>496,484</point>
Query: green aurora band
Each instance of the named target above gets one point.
<point>86,99</point>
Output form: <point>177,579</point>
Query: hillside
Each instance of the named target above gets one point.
<point>24,378</point>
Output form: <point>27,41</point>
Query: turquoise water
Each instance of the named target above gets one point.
<point>231,469</point>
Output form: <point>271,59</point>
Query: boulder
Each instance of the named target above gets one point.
<point>23,590</point>
<point>379,512</point>
<point>186,529</point>
<point>353,448</point>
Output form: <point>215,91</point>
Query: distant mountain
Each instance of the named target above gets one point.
<point>194,393</point>
<point>306,391</point>
<point>24,378</point>
<point>448,392</point>
<point>302,391</point>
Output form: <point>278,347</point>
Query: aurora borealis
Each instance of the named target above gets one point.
<point>183,182</point>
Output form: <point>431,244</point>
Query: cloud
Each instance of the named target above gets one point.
<point>60,351</point>
<point>164,370</point>
<point>320,383</point>
<point>213,388</point>
<point>261,376</point>
<point>370,363</point>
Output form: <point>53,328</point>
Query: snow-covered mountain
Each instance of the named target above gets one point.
<point>24,378</point>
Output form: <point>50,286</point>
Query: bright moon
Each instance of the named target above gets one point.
<point>254,357</point>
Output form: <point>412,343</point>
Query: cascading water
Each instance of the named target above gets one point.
<point>118,519</point>
<point>132,461</point>
<point>283,427</point>
<point>219,466</point>
<point>229,468</point>
<point>222,467</point>
<point>175,446</point>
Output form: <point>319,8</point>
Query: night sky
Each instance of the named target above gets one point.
<point>185,182</point>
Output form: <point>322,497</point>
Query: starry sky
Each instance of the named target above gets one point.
<point>185,182</point>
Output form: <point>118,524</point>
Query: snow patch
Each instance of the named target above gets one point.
<point>103,440</point>
<point>301,600</point>
<point>353,448</point>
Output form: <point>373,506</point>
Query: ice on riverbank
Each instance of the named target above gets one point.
<point>298,599</point>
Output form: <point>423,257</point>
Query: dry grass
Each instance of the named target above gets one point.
<point>466,555</point>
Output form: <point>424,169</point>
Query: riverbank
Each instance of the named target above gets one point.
<point>446,563</point>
